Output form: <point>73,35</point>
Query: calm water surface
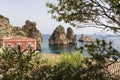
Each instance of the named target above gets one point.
<point>71,48</point>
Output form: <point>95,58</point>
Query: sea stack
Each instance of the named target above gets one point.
<point>59,37</point>
<point>70,36</point>
<point>86,38</point>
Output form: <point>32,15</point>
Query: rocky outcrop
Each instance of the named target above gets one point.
<point>28,30</point>
<point>5,27</point>
<point>60,37</point>
<point>32,32</point>
<point>17,31</point>
<point>70,36</point>
<point>86,38</point>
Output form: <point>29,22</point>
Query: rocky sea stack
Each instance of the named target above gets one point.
<point>59,37</point>
<point>86,38</point>
<point>71,38</point>
<point>28,30</point>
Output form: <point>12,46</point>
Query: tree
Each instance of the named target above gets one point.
<point>103,14</point>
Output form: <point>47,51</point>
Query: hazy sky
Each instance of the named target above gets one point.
<point>18,11</point>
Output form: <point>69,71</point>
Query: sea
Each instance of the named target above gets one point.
<point>57,49</point>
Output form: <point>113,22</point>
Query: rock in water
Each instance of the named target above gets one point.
<point>82,38</point>
<point>58,37</point>
<point>70,36</point>
<point>86,38</point>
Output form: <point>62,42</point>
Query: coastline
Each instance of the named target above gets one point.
<point>50,56</point>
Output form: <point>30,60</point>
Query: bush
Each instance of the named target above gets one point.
<point>60,71</point>
<point>74,66</point>
<point>69,67</point>
<point>75,59</point>
<point>16,64</point>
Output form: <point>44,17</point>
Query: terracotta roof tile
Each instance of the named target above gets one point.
<point>19,39</point>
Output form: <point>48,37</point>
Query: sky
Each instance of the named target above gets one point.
<point>18,11</point>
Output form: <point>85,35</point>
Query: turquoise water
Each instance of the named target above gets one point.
<point>71,48</point>
<point>46,48</point>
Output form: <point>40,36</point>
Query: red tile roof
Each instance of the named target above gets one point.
<point>19,39</point>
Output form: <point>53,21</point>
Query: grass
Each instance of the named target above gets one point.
<point>75,59</point>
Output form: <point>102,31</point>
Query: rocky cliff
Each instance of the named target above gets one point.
<point>17,31</point>
<point>28,30</point>
<point>5,27</point>
<point>60,37</point>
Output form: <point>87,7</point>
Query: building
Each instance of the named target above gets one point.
<point>24,42</point>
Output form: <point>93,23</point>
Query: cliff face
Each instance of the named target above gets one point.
<point>60,37</point>
<point>5,27</point>
<point>28,30</point>
<point>17,31</point>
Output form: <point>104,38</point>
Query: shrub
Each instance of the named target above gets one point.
<point>75,59</point>
<point>16,64</point>
<point>69,67</point>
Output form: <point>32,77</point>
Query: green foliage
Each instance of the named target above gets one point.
<point>88,12</point>
<point>101,50</point>
<point>16,64</point>
<point>71,65</point>
<point>28,65</point>
<point>68,67</point>
<point>115,4</point>
<point>75,59</point>
<point>60,71</point>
